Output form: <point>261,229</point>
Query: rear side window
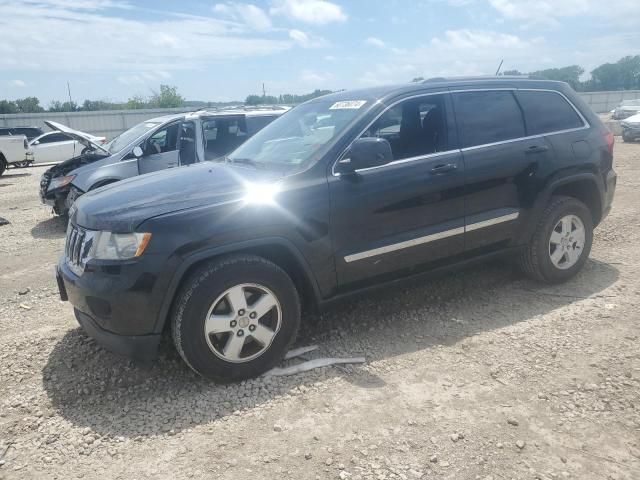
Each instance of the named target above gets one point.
<point>488,117</point>
<point>546,112</point>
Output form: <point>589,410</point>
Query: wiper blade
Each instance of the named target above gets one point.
<point>245,161</point>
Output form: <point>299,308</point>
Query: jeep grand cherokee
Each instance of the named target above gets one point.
<point>342,193</point>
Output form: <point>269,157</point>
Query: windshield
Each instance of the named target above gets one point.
<point>125,138</point>
<point>291,141</point>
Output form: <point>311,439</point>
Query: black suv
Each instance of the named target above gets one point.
<point>340,194</point>
<point>29,132</point>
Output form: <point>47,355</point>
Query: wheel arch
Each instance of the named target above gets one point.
<point>277,250</point>
<point>586,187</point>
<point>103,182</point>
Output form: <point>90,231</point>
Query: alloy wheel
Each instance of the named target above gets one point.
<point>567,242</point>
<point>242,322</point>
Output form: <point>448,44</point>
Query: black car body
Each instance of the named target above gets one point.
<point>399,181</point>
<point>29,132</point>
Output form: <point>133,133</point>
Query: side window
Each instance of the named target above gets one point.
<point>54,137</point>
<point>164,140</point>
<point>546,112</point>
<point>487,117</point>
<point>255,124</point>
<point>414,127</point>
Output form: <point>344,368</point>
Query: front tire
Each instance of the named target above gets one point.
<point>235,317</point>
<point>561,243</point>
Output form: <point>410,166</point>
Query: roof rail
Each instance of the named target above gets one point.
<point>483,77</point>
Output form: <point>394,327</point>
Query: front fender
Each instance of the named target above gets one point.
<point>186,263</point>
<point>90,175</point>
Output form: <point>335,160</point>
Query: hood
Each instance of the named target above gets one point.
<point>84,138</point>
<point>122,206</point>
<point>633,119</point>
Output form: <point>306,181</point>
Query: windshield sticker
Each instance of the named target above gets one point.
<point>348,104</point>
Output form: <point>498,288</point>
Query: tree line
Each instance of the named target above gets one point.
<point>621,75</point>
<point>166,97</point>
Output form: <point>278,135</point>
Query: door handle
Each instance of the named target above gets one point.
<point>536,149</point>
<point>445,168</point>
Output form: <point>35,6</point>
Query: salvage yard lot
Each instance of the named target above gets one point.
<point>481,374</point>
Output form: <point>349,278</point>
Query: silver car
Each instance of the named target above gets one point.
<point>156,144</point>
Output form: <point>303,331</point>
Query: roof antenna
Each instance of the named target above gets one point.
<point>499,67</point>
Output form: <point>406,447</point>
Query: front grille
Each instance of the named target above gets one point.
<point>77,247</point>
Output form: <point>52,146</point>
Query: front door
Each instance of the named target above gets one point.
<point>408,213</point>
<point>160,151</point>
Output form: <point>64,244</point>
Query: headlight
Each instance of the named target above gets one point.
<point>119,246</point>
<point>61,181</point>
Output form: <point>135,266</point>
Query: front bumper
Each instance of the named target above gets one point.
<point>112,309</point>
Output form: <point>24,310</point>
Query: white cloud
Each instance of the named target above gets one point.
<point>550,11</point>
<point>17,83</point>
<point>144,78</point>
<point>316,79</point>
<point>375,42</point>
<point>475,39</point>
<point>94,41</point>
<point>305,40</point>
<point>250,15</point>
<point>318,12</point>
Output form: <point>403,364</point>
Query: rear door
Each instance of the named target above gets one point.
<point>502,165</point>
<point>408,213</point>
<point>160,150</point>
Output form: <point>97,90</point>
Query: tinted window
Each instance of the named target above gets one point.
<point>413,128</point>
<point>488,117</point>
<point>255,124</point>
<point>5,131</point>
<point>54,137</point>
<point>28,132</point>
<point>546,112</point>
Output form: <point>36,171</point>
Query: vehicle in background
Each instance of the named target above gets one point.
<point>353,190</point>
<point>57,146</point>
<point>156,144</point>
<point>13,151</point>
<point>631,128</point>
<point>627,108</point>
<point>29,132</point>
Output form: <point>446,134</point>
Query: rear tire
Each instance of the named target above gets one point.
<point>242,341</point>
<point>626,137</point>
<point>3,165</point>
<point>561,243</point>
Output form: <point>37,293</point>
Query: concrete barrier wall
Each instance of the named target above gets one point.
<point>110,123</point>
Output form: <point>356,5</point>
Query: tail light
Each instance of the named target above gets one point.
<point>610,141</point>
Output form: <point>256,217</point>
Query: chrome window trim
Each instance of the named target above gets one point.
<point>431,238</point>
<point>586,125</point>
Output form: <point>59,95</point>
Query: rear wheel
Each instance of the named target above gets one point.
<point>235,317</point>
<point>3,165</point>
<point>561,243</point>
<point>626,137</point>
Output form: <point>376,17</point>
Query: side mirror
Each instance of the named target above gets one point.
<point>365,153</point>
<point>37,142</point>
<point>137,152</point>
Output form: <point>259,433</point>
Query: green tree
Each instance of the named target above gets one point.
<point>58,106</point>
<point>29,105</point>
<point>622,75</point>
<point>135,103</point>
<point>570,74</point>
<point>167,97</point>
<point>511,72</point>
<point>7,106</point>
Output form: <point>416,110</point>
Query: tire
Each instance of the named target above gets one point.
<point>204,293</point>
<point>536,260</point>
<point>3,165</point>
<point>626,137</point>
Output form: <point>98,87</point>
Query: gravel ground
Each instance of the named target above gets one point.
<point>477,375</point>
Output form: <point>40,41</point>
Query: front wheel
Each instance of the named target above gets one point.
<point>235,317</point>
<point>561,243</point>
